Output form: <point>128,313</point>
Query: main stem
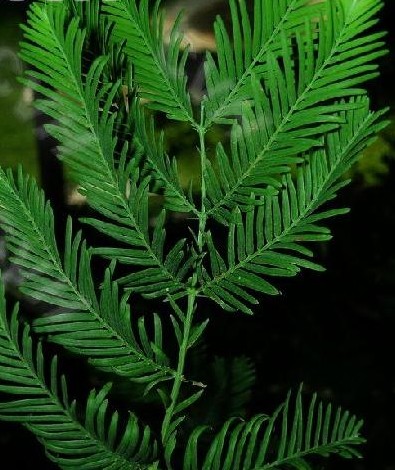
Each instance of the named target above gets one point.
<point>180,367</point>
<point>203,215</point>
<point>192,295</point>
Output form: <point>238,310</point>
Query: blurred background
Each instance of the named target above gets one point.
<point>333,331</point>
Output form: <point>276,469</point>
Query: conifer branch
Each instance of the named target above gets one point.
<point>99,329</point>
<point>46,411</point>
<point>291,74</point>
<point>290,114</point>
<point>267,242</point>
<point>271,442</point>
<point>88,143</point>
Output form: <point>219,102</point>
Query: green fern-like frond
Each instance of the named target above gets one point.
<point>159,71</point>
<point>232,179</point>
<point>42,405</point>
<point>287,79</point>
<point>245,54</point>
<point>281,441</point>
<point>266,241</point>
<point>97,328</point>
<point>85,128</point>
<point>294,107</point>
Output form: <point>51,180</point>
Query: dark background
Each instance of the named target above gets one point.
<point>332,331</point>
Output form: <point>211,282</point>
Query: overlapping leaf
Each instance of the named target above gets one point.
<point>159,70</point>
<point>84,126</point>
<point>295,106</point>
<point>97,328</point>
<point>268,240</point>
<point>42,405</point>
<point>283,440</point>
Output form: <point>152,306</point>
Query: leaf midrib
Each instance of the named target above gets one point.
<point>111,179</point>
<point>308,210</point>
<point>55,260</point>
<point>279,129</point>
<point>331,446</point>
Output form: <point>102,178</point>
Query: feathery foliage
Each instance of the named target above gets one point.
<point>265,241</point>
<point>84,127</point>
<point>97,328</point>
<point>248,444</point>
<point>287,81</point>
<point>43,406</point>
